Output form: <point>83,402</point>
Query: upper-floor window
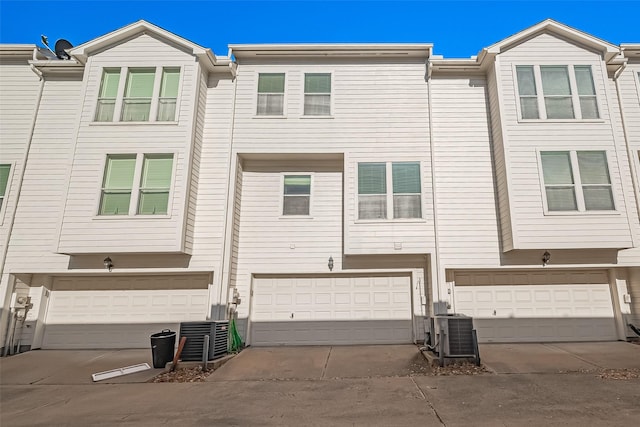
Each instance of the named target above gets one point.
<point>556,92</point>
<point>4,181</point>
<point>146,94</point>
<point>136,184</point>
<point>374,198</point>
<point>577,181</point>
<point>270,94</point>
<point>317,94</point>
<point>296,198</point>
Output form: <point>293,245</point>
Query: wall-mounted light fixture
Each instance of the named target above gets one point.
<point>546,257</point>
<point>330,264</point>
<point>108,264</point>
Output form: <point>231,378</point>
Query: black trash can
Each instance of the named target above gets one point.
<point>162,346</point>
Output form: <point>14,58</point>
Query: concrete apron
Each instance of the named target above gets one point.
<point>58,367</point>
<point>323,362</point>
<point>559,357</point>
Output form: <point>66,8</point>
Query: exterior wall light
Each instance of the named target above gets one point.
<point>330,264</point>
<point>108,264</point>
<point>546,257</point>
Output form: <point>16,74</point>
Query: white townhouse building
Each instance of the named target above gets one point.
<point>321,194</point>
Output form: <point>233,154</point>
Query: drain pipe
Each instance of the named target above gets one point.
<point>434,196</point>
<point>19,186</point>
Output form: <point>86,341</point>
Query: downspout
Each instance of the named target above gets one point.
<point>434,197</point>
<point>20,179</point>
<point>630,155</point>
<point>229,219</point>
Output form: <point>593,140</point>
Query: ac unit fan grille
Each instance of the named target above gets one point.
<point>195,332</point>
<point>460,336</point>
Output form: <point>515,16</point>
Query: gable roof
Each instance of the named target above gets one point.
<point>205,56</point>
<point>550,26</point>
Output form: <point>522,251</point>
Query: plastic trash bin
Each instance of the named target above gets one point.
<point>162,346</point>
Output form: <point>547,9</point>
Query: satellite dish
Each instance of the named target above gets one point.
<point>61,49</point>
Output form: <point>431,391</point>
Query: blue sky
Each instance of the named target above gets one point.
<point>456,28</point>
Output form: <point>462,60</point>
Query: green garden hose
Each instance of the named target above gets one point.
<point>235,340</point>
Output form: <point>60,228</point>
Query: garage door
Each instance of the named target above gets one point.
<point>120,312</point>
<point>331,310</point>
<point>537,307</point>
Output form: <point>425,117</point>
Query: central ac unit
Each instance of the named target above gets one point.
<point>454,335</point>
<point>218,331</point>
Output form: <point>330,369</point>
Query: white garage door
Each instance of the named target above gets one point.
<point>331,310</point>
<point>537,307</point>
<point>120,312</point>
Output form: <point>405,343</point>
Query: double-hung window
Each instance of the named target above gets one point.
<point>296,199</point>
<point>556,92</point>
<point>317,94</point>
<point>136,184</point>
<point>108,94</point>
<point>270,94</point>
<point>577,181</point>
<point>4,182</point>
<point>146,95</point>
<point>404,199</point>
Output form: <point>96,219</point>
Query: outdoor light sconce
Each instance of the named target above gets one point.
<point>546,257</point>
<point>330,264</point>
<point>108,264</point>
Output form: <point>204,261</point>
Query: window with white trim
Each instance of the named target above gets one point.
<point>145,95</point>
<point>556,92</point>
<point>270,94</point>
<point>403,201</point>
<point>577,181</point>
<point>296,197</point>
<point>317,94</point>
<point>5,170</point>
<point>136,184</point>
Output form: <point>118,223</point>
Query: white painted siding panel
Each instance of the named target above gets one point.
<point>83,231</point>
<point>467,218</point>
<point>379,113</point>
<point>523,139</point>
<point>34,234</point>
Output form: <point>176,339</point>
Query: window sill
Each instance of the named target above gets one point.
<point>129,217</point>
<point>295,217</point>
<point>395,221</point>
<point>561,120</point>
<point>581,213</point>
<point>133,123</point>
<point>317,117</point>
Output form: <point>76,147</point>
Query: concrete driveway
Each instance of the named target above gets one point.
<point>48,367</point>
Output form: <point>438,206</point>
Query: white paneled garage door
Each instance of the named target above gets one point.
<point>120,312</point>
<point>537,307</point>
<point>331,310</point>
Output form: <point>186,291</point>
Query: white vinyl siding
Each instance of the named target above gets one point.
<point>577,181</point>
<point>296,198</point>
<point>147,94</point>
<point>270,94</point>
<point>317,94</point>
<point>556,92</point>
<point>4,180</point>
<point>108,95</point>
<point>374,201</point>
<point>120,191</point>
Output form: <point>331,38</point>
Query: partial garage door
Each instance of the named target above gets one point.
<point>120,312</point>
<point>331,310</point>
<point>537,307</point>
